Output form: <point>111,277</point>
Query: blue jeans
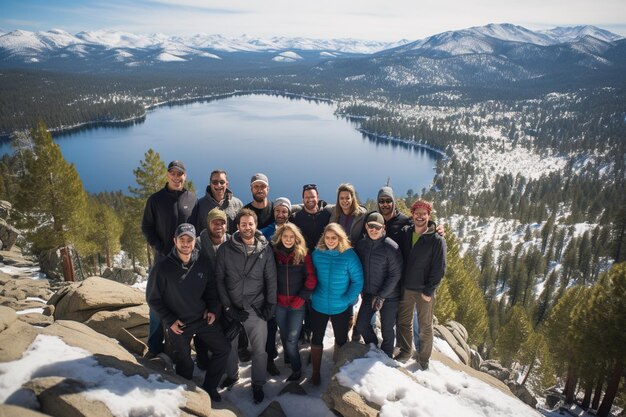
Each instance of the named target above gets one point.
<point>416,332</point>
<point>156,334</point>
<point>290,323</point>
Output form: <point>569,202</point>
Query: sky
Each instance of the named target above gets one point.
<point>390,20</point>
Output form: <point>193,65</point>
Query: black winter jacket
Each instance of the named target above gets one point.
<point>182,292</point>
<point>164,211</point>
<point>245,280</point>
<point>312,225</point>
<point>382,267</point>
<point>424,262</point>
<point>394,226</point>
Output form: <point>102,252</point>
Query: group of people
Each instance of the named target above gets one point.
<point>229,276</point>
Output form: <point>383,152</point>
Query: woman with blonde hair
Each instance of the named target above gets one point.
<point>296,281</point>
<point>339,282</point>
<point>348,213</point>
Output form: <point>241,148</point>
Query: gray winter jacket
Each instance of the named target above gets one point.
<point>231,205</point>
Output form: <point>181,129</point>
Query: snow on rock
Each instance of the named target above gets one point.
<point>124,396</point>
<point>440,391</point>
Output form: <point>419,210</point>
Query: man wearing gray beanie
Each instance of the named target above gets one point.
<point>394,220</point>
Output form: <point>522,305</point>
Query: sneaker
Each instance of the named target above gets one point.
<point>295,376</point>
<point>257,393</point>
<point>215,396</point>
<point>424,366</point>
<point>229,382</point>
<point>271,368</point>
<point>403,357</point>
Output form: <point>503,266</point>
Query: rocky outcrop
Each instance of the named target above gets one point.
<point>5,209</point>
<point>7,410</point>
<point>82,300</point>
<point>51,264</point>
<point>521,392</point>
<point>495,369</point>
<point>8,235</point>
<point>62,395</point>
<point>108,307</point>
<point>124,276</point>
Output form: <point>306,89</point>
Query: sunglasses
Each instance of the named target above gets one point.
<point>218,182</point>
<point>374,226</point>
<point>385,201</point>
<point>309,187</point>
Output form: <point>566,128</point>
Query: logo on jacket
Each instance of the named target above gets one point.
<point>201,275</point>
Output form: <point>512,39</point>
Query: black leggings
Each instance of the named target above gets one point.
<point>319,321</point>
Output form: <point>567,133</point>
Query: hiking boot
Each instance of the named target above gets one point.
<point>403,357</point>
<point>424,366</point>
<point>295,376</point>
<point>271,368</point>
<point>257,393</point>
<point>229,382</point>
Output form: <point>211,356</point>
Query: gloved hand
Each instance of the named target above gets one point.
<point>268,311</point>
<point>377,303</point>
<point>297,303</point>
<point>236,314</point>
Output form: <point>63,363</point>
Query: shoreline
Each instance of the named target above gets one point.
<point>178,101</point>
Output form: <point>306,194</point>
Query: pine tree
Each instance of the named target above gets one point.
<point>107,232</point>
<point>513,335</point>
<point>462,275</point>
<point>151,176</point>
<point>609,314</point>
<point>52,197</point>
<point>445,307</point>
<point>132,240</point>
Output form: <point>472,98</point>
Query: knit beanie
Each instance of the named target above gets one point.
<point>386,192</point>
<point>215,214</point>
<point>283,201</point>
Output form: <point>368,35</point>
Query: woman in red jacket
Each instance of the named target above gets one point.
<point>296,281</point>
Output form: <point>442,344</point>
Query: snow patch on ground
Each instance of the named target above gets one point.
<point>440,391</point>
<point>124,396</point>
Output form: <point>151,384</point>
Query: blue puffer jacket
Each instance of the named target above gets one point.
<point>339,280</point>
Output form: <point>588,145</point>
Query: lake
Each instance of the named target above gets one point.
<point>293,141</point>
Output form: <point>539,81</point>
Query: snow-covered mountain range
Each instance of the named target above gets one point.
<point>129,48</point>
<point>57,47</point>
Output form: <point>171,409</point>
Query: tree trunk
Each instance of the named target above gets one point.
<point>597,393</point>
<point>611,389</point>
<point>587,398</point>
<point>108,253</point>
<point>68,268</point>
<point>530,368</point>
<point>570,386</point>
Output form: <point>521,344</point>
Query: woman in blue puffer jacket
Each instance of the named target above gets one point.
<point>339,282</point>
